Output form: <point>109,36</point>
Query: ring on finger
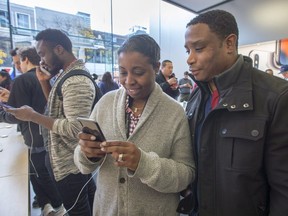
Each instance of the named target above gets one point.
<point>120,158</point>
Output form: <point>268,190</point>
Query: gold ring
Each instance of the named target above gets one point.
<point>120,158</point>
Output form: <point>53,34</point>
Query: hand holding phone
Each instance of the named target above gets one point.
<point>45,71</point>
<point>4,105</point>
<point>92,127</point>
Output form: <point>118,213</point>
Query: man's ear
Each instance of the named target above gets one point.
<point>59,50</point>
<point>230,43</point>
<point>26,60</point>
<point>157,67</point>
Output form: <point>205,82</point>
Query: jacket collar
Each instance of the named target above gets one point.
<point>234,86</point>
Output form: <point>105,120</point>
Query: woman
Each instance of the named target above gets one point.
<point>150,158</point>
<point>107,84</point>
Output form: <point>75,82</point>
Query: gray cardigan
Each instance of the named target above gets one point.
<point>166,165</point>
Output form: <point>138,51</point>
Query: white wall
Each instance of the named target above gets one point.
<point>267,53</point>
<point>168,29</point>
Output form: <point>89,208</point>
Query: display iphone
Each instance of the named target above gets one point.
<point>44,71</point>
<point>5,105</point>
<point>92,127</point>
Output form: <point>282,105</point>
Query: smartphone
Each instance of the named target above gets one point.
<point>45,71</point>
<point>92,127</point>
<point>5,105</point>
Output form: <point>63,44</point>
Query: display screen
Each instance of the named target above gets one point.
<point>283,51</point>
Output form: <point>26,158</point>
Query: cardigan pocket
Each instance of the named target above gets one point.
<point>243,143</point>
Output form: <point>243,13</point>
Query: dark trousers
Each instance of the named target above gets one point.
<point>70,188</point>
<point>42,183</point>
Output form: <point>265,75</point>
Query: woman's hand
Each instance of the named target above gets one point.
<point>126,154</point>
<point>89,146</point>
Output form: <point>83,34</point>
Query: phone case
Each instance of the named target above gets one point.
<point>92,127</point>
<point>5,105</point>
<point>45,71</point>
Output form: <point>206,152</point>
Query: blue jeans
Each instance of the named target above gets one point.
<point>69,189</point>
<point>42,183</point>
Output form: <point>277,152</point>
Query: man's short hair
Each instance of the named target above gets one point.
<point>55,37</point>
<point>164,63</point>
<point>221,22</point>
<point>13,52</point>
<point>30,53</point>
<point>186,73</point>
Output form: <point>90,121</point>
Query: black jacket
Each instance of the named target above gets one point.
<point>242,154</point>
<point>26,90</point>
<point>160,79</point>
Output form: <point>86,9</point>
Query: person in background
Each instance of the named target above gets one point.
<point>55,49</point>
<point>95,76</point>
<point>5,79</point>
<point>239,123</point>
<point>167,80</point>
<point>4,94</point>
<point>269,71</point>
<point>116,80</point>
<point>27,91</point>
<point>142,167</point>
<point>284,71</point>
<point>185,86</point>
<point>107,84</point>
<point>16,61</point>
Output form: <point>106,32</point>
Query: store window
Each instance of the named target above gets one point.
<point>23,20</point>
<point>4,22</point>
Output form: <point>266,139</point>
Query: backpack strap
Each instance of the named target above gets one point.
<point>98,93</point>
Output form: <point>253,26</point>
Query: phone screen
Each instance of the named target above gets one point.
<point>5,105</point>
<point>92,127</point>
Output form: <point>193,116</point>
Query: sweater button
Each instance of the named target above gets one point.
<point>122,180</point>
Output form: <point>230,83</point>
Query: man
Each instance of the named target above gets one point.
<point>16,61</point>
<point>4,94</point>
<point>27,91</point>
<point>185,86</point>
<point>55,50</point>
<point>167,80</point>
<point>284,71</point>
<point>239,124</point>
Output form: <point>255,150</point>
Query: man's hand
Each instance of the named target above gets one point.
<point>42,77</point>
<point>4,94</point>
<point>24,113</point>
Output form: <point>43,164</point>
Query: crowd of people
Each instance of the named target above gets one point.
<point>225,154</point>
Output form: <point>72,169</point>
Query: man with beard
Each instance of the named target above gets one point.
<point>55,50</point>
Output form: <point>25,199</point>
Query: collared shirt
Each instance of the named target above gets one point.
<point>132,119</point>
